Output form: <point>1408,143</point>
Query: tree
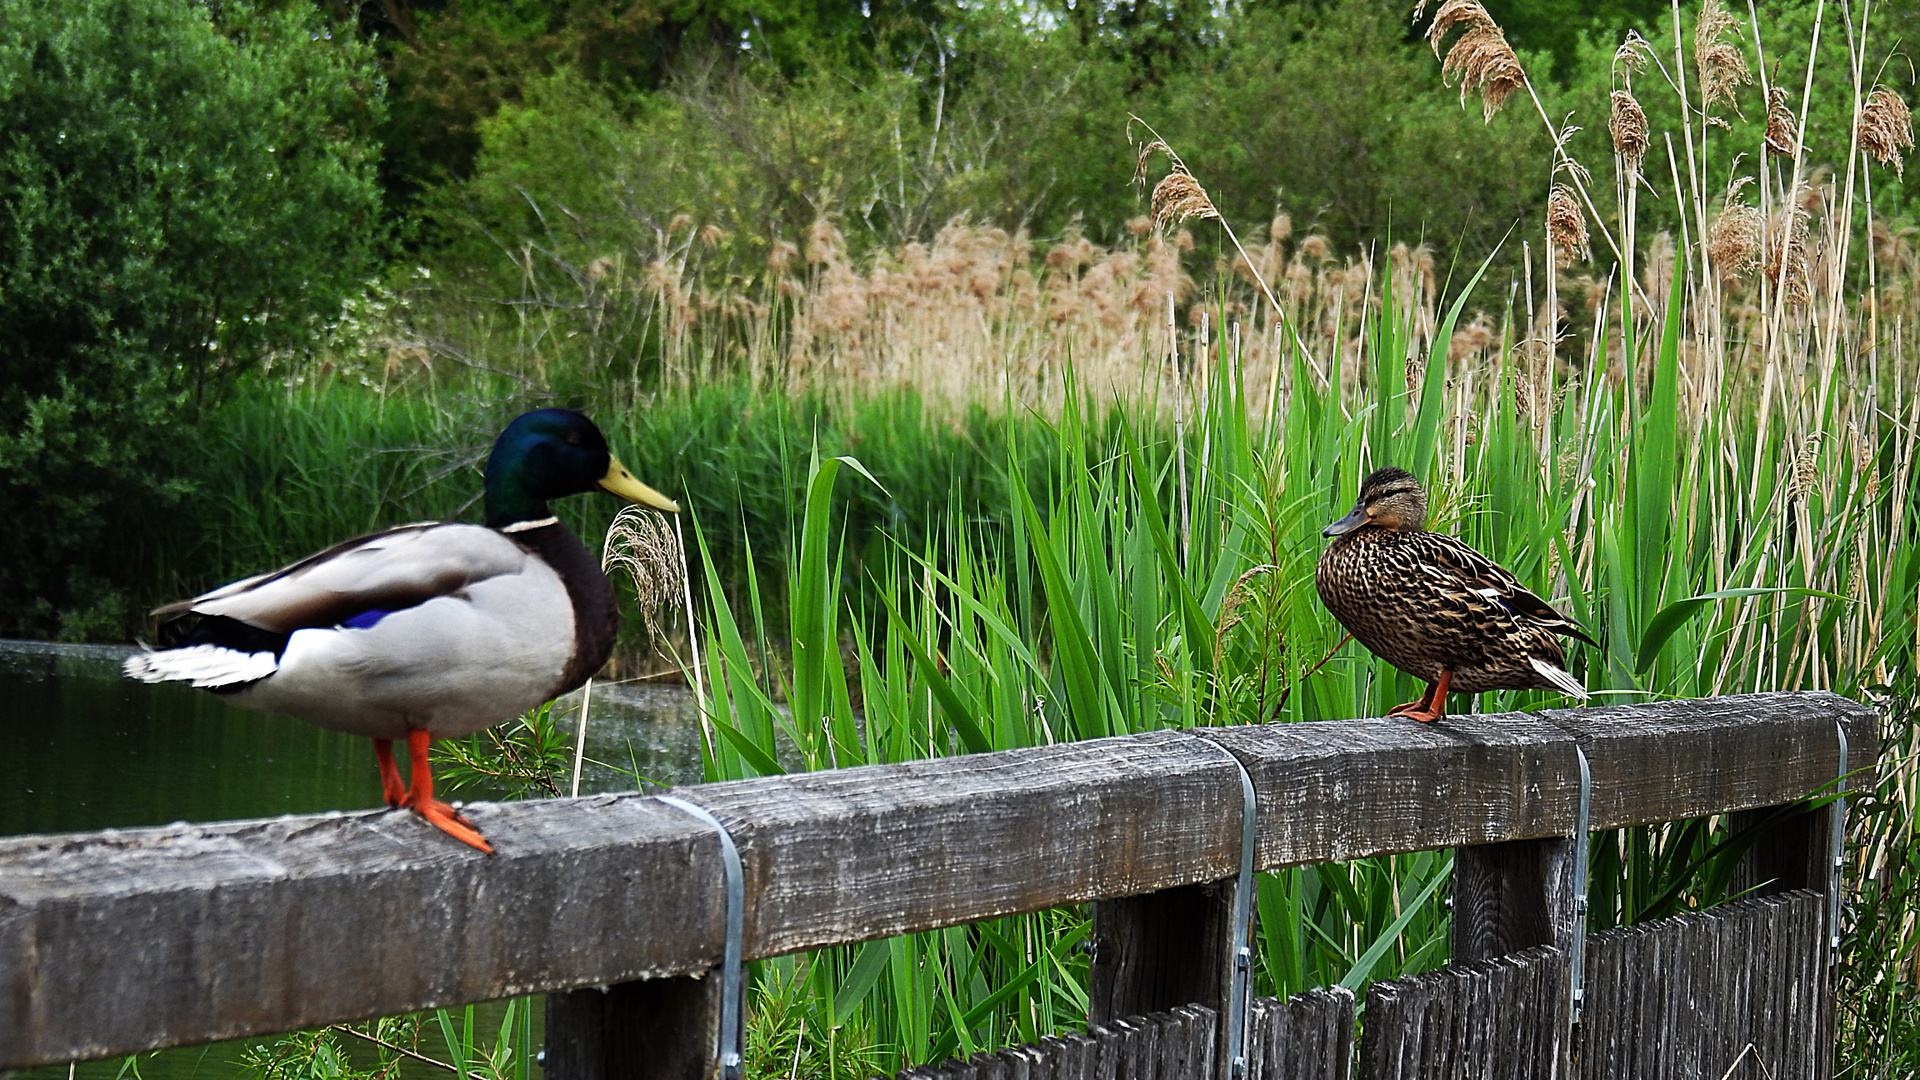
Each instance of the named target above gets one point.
<point>183,192</point>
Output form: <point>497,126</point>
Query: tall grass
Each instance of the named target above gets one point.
<point>1727,511</point>
<point>1705,450</point>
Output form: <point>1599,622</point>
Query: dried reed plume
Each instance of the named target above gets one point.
<point>643,544</point>
<point>1886,128</point>
<point>1178,196</point>
<point>1734,238</point>
<point>1628,126</point>
<point>1722,65</point>
<point>1633,53</point>
<point>1480,56</point>
<point>1780,125</point>
<point>1786,247</point>
<point>1566,225</point>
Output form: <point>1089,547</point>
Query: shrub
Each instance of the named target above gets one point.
<point>184,192</point>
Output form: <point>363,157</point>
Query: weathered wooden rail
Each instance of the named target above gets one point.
<point>122,941</point>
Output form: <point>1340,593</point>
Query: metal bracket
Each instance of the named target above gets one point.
<point>1837,846</point>
<point>1240,991</point>
<point>731,1048</point>
<point>1577,944</point>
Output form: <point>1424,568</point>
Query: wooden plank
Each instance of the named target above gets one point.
<point>1733,753</point>
<point>846,855</point>
<point>1339,790</point>
<point>1161,950</point>
<point>122,941</point>
<point>1509,897</point>
<point>1198,1059</point>
<point>1737,991</point>
<point>1385,786</point>
<point>1487,1020</point>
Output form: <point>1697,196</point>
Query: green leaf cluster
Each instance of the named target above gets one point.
<point>183,194</point>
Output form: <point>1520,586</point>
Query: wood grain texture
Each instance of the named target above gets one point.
<point>122,941</point>
<point>116,942</point>
<point>845,855</point>
<point>1666,760</point>
<point>1309,1036</point>
<point>1163,951</point>
<point>1739,992</point>
<point>647,1029</point>
<point>1339,790</point>
<point>1346,789</point>
<point>1509,897</point>
<point>1498,1019</point>
<point>1160,950</point>
<point>1173,1044</point>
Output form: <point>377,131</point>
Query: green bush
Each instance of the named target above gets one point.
<point>185,192</point>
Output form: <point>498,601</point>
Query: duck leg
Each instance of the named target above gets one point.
<point>1429,708</point>
<point>391,788</point>
<point>422,802</point>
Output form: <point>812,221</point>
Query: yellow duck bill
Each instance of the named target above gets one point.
<point>619,481</point>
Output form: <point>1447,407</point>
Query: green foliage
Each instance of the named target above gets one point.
<point>455,67</point>
<point>1329,114</point>
<point>183,196</point>
<point>527,758</point>
<point>1878,991</point>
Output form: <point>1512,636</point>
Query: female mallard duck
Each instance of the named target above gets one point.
<point>421,632</point>
<point>1434,607</point>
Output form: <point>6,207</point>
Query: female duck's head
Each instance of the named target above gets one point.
<point>1390,498</point>
<point>551,453</point>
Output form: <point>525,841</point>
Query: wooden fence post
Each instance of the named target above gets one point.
<point>1791,850</point>
<point>1514,896</point>
<point>648,1029</point>
<point>1158,951</point>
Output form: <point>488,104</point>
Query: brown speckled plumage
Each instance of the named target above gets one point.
<point>1432,606</point>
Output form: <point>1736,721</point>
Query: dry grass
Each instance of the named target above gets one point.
<point>1566,226</point>
<point>1722,64</point>
<point>1886,128</point>
<point>1480,56</point>
<point>1627,124</point>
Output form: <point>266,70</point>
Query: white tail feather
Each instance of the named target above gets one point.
<point>1559,677</point>
<point>205,666</point>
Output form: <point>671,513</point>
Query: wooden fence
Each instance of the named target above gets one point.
<point>129,940</point>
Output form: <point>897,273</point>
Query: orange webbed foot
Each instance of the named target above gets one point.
<point>453,823</point>
<point>1429,708</point>
<point>421,801</point>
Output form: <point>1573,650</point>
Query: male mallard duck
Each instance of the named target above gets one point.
<point>421,632</point>
<point>1434,607</point>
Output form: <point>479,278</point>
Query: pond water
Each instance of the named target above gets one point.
<point>87,749</point>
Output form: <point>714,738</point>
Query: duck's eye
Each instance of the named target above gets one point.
<point>573,438</point>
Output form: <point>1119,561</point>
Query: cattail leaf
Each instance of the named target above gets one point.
<point>1363,967</point>
<point>762,763</point>
<point>955,710</point>
<point>1671,618</point>
<point>867,969</point>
